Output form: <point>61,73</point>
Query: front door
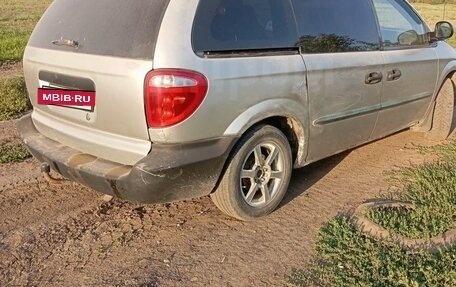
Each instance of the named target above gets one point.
<point>411,67</point>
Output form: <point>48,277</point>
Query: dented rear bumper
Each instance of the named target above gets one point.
<point>169,173</point>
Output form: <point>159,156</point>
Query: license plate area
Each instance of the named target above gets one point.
<point>74,99</point>
<point>66,91</point>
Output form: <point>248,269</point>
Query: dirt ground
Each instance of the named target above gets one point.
<point>66,235</point>
<point>8,69</point>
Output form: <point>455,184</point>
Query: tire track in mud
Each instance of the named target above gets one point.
<point>69,236</point>
<point>30,204</point>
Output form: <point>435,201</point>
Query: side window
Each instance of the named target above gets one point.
<point>230,25</point>
<point>333,26</point>
<point>399,25</point>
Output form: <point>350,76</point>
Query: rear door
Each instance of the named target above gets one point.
<point>102,46</point>
<point>411,67</point>
<point>340,45</point>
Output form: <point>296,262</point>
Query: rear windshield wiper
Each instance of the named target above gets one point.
<point>66,42</point>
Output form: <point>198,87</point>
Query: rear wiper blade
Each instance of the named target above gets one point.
<point>66,42</point>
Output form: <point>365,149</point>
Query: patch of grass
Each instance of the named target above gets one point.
<point>432,188</point>
<point>17,20</point>
<point>452,41</point>
<point>447,152</point>
<point>12,44</point>
<point>13,98</point>
<point>433,2</point>
<point>348,257</point>
<point>433,11</point>
<point>10,153</point>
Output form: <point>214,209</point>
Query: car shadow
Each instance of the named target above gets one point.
<point>304,178</point>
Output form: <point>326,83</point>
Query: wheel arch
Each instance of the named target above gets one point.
<point>293,131</point>
<point>287,115</point>
<point>448,73</point>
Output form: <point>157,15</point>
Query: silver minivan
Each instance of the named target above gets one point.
<point>166,100</point>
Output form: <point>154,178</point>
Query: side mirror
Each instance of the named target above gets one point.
<point>408,38</point>
<point>443,30</point>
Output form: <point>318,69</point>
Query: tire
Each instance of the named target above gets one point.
<point>257,175</point>
<point>443,119</point>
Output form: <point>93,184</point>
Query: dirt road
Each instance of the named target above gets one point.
<point>68,236</point>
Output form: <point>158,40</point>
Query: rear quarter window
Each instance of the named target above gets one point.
<point>230,25</point>
<point>123,28</point>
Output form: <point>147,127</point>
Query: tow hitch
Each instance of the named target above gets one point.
<point>46,171</point>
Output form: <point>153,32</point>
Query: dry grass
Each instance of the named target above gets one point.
<point>433,13</point>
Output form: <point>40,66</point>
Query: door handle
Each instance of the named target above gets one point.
<point>374,78</point>
<point>394,75</point>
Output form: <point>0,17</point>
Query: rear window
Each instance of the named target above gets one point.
<point>126,28</point>
<point>227,25</point>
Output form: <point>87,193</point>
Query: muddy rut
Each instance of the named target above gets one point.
<point>67,235</point>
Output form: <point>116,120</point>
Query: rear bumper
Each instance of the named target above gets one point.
<point>169,173</point>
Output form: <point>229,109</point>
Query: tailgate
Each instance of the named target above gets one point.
<point>104,46</point>
<point>116,128</point>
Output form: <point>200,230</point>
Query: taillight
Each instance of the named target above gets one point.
<point>172,95</point>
